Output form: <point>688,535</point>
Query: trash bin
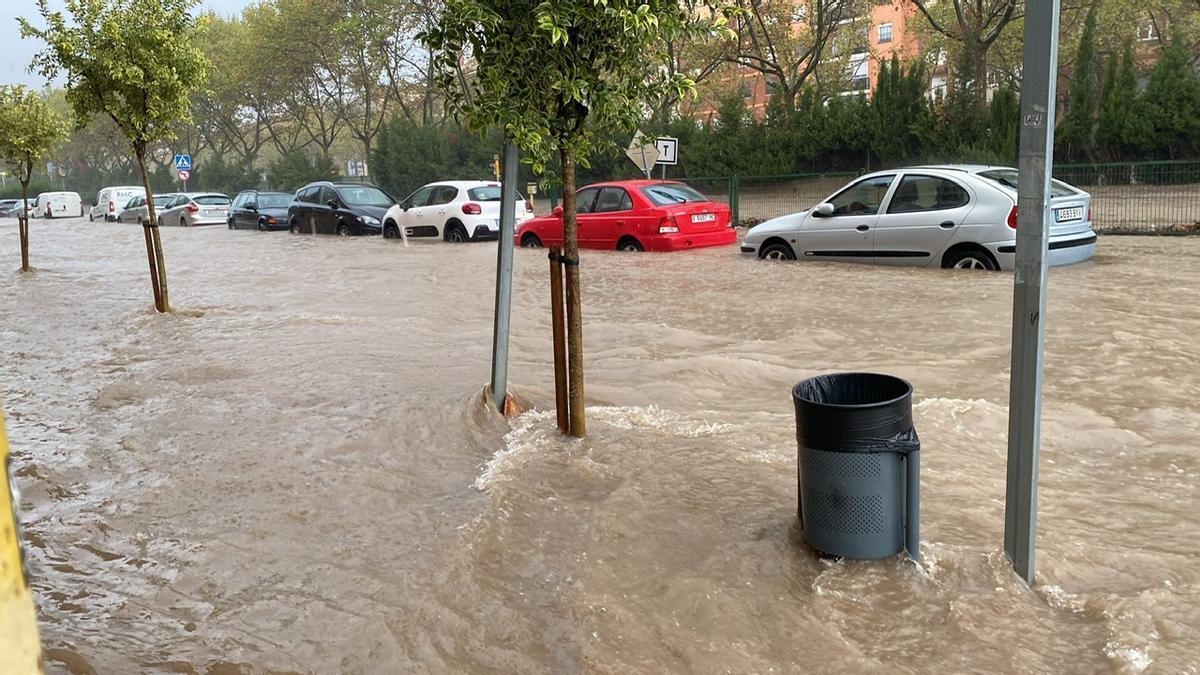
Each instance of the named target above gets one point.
<point>858,465</point>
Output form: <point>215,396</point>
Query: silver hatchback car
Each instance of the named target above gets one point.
<point>195,208</point>
<point>955,216</point>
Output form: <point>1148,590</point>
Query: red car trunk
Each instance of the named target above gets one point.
<point>696,217</point>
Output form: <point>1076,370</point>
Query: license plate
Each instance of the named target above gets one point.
<point>1067,214</point>
<point>704,217</point>
<point>213,212</point>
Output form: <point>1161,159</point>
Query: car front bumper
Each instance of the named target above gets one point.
<point>683,241</point>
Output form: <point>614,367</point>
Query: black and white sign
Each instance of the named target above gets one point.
<point>668,150</point>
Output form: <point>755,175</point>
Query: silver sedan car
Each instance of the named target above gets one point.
<point>954,216</point>
<point>135,209</point>
<point>195,208</point>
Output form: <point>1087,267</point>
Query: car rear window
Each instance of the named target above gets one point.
<point>491,193</point>
<point>212,200</point>
<point>364,196</point>
<point>666,194</point>
<point>1008,178</point>
<point>273,201</point>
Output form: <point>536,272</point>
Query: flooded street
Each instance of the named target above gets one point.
<point>296,471</point>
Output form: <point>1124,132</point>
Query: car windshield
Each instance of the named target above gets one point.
<point>491,193</point>
<point>211,200</point>
<point>666,194</point>
<point>1008,178</point>
<point>364,196</point>
<point>274,201</point>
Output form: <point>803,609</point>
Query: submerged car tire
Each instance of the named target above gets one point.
<point>343,230</point>
<point>631,245</point>
<point>91,218</point>
<point>390,231</point>
<point>183,221</point>
<point>262,225</point>
<point>970,259</point>
<point>294,227</point>
<point>777,251</point>
<point>531,240</point>
<point>455,234</point>
<point>229,222</point>
<point>160,222</point>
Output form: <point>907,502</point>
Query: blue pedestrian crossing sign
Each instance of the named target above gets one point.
<point>183,162</point>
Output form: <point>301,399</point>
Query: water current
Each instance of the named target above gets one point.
<point>297,472</point>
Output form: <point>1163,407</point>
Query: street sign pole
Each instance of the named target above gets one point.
<point>504,273</point>
<point>1038,74</point>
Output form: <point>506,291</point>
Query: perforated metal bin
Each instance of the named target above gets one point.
<point>858,465</point>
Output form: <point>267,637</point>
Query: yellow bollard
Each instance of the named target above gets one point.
<point>20,647</point>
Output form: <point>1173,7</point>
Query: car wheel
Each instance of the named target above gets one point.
<point>294,227</point>
<point>229,222</point>
<point>343,230</point>
<point>91,218</point>
<point>262,226</point>
<point>778,251</point>
<point>183,222</point>
<point>630,244</point>
<point>970,259</point>
<point>390,231</point>
<point>456,235</point>
<point>160,222</point>
<point>531,241</point>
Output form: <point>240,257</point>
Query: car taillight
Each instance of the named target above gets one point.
<point>192,208</point>
<point>1012,218</point>
<point>667,225</point>
<point>1089,213</point>
<point>112,206</point>
<point>528,206</point>
<point>472,209</point>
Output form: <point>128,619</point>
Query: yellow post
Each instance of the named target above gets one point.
<point>496,166</point>
<point>20,647</point>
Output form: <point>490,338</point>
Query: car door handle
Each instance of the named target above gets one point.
<point>863,228</point>
<point>620,223</point>
<point>946,224</point>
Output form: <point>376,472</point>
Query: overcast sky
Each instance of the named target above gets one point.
<point>15,53</point>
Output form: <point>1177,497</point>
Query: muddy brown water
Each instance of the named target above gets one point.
<point>296,471</point>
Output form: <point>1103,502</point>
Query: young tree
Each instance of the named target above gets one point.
<point>551,75</point>
<point>134,61</point>
<point>1075,135</point>
<point>29,130</point>
<point>1172,104</point>
<point>1120,130</point>
<point>973,26</point>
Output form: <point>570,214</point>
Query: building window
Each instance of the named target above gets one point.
<point>1147,31</point>
<point>859,79</point>
<point>885,32</point>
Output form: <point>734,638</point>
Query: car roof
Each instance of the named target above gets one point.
<point>635,183</point>
<point>465,183</point>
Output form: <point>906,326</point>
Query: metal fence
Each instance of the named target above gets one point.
<point>1126,196</point>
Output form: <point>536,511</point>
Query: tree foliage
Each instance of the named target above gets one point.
<point>1171,103</point>
<point>1075,135</point>
<point>29,131</point>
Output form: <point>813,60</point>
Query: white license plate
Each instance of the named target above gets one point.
<point>704,217</point>
<point>1067,214</point>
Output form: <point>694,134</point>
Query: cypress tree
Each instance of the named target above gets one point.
<point>1172,104</point>
<point>1075,136</point>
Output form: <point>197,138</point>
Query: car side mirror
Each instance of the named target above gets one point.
<point>405,205</point>
<point>823,210</point>
<point>252,207</point>
<point>332,203</point>
<point>557,211</point>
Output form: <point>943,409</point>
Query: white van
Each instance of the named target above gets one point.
<point>110,201</point>
<point>59,205</point>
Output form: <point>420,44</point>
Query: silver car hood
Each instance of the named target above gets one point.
<point>788,223</point>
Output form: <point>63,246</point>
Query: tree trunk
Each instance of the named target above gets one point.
<point>979,57</point>
<point>154,256</point>
<point>574,307</point>
<point>23,225</point>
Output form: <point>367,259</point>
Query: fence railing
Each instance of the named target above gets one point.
<point>1126,196</point>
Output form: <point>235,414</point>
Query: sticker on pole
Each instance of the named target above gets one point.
<point>668,150</point>
<point>183,162</point>
<point>184,175</point>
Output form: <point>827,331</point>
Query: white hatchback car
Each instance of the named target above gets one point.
<point>956,216</point>
<point>456,211</point>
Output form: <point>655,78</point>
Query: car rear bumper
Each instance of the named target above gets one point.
<point>1063,250</point>
<point>207,220</point>
<point>683,240</point>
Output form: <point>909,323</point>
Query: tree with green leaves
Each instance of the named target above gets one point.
<point>1171,104</point>
<point>134,61</point>
<point>1120,129</point>
<point>1076,134</point>
<point>553,75</point>
<point>29,132</point>
<point>900,116</point>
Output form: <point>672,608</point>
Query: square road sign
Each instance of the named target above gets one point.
<point>668,150</point>
<point>183,162</point>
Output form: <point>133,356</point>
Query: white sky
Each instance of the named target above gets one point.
<point>15,53</point>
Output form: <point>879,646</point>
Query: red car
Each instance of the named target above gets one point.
<point>636,215</point>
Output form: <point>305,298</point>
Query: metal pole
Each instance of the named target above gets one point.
<point>1038,75</point>
<point>504,272</point>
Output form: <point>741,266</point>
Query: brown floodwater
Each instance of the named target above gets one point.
<point>296,471</point>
